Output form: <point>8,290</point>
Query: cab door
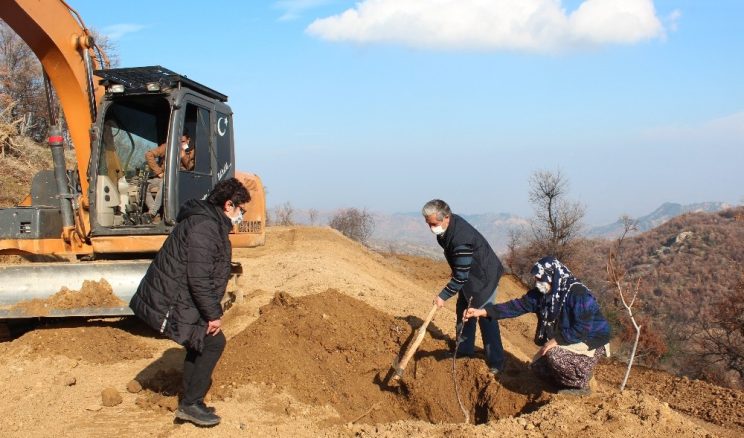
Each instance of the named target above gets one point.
<point>194,183</point>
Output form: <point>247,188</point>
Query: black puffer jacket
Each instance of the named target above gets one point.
<point>184,285</point>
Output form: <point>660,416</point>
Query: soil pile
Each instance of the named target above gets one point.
<point>332,349</point>
<point>711,403</point>
<point>102,344</point>
<point>91,294</point>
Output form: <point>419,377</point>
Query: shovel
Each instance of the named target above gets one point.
<point>400,365</point>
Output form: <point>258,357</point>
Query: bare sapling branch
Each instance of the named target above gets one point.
<point>454,372</point>
<point>616,276</point>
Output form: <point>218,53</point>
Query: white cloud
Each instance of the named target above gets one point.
<point>529,25</point>
<point>117,31</point>
<point>293,9</point>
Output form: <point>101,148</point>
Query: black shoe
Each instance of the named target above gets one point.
<point>198,414</point>
<point>208,408</point>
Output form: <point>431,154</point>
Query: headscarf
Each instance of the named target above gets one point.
<point>549,269</point>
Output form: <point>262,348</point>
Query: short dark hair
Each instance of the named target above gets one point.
<point>228,190</point>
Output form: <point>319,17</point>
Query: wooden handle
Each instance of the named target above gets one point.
<point>416,342</point>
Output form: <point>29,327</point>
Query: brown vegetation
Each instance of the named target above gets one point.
<point>690,272</point>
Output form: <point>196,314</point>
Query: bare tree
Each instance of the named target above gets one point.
<point>616,275</point>
<point>284,215</point>
<point>512,246</point>
<point>557,222</point>
<point>354,224</point>
<point>21,84</point>
<point>717,343</point>
<point>313,215</point>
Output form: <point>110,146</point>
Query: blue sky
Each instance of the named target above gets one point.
<point>385,104</point>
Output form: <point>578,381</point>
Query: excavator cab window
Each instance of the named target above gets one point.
<point>131,127</point>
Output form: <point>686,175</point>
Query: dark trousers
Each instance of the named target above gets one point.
<point>490,333</point>
<point>198,367</point>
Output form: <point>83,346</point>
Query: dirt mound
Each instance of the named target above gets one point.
<point>606,414</point>
<point>91,294</point>
<point>101,344</point>
<point>711,403</point>
<point>332,349</point>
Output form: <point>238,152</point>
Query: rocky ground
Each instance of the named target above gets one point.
<point>316,325</point>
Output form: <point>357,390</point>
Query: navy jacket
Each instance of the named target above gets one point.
<point>476,270</point>
<point>184,285</point>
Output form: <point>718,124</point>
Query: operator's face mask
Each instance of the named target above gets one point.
<point>543,287</point>
<point>438,230</point>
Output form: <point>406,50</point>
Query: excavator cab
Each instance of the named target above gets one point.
<point>142,108</point>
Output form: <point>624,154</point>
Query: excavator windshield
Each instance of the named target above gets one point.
<point>132,127</point>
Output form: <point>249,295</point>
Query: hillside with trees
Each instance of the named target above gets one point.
<point>691,293</point>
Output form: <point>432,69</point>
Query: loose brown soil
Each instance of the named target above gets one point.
<point>332,349</point>
<point>711,403</point>
<point>92,294</point>
<point>97,343</point>
<point>316,325</point>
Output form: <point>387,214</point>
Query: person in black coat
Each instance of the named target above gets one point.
<point>180,295</point>
<point>476,271</point>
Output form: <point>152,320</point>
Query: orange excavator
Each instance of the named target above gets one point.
<point>94,217</point>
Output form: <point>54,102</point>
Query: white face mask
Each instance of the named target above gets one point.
<point>543,286</point>
<point>438,230</point>
<point>237,219</point>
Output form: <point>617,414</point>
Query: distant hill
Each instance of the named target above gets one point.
<point>686,265</point>
<point>664,213</point>
<point>406,233</point>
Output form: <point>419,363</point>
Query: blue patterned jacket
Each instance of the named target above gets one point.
<point>580,320</point>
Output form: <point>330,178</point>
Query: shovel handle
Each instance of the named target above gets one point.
<point>416,342</point>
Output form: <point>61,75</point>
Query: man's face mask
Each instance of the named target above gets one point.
<point>543,286</point>
<point>438,230</point>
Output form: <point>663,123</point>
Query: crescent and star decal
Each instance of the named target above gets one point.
<point>220,130</point>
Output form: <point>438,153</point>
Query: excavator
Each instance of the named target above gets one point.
<point>91,221</point>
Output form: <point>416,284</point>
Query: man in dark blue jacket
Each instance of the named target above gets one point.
<point>181,293</point>
<point>476,271</point>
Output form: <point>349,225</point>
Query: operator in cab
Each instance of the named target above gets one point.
<point>155,158</point>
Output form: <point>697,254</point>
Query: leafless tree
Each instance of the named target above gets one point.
<point>284,215</point>
<point>22,83</point>
<point>717,341</point>
<point>557,222</point>
<point>512,246</point>
<point>616,276</point>
<point>313,215</point>
<point>354,223</point>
